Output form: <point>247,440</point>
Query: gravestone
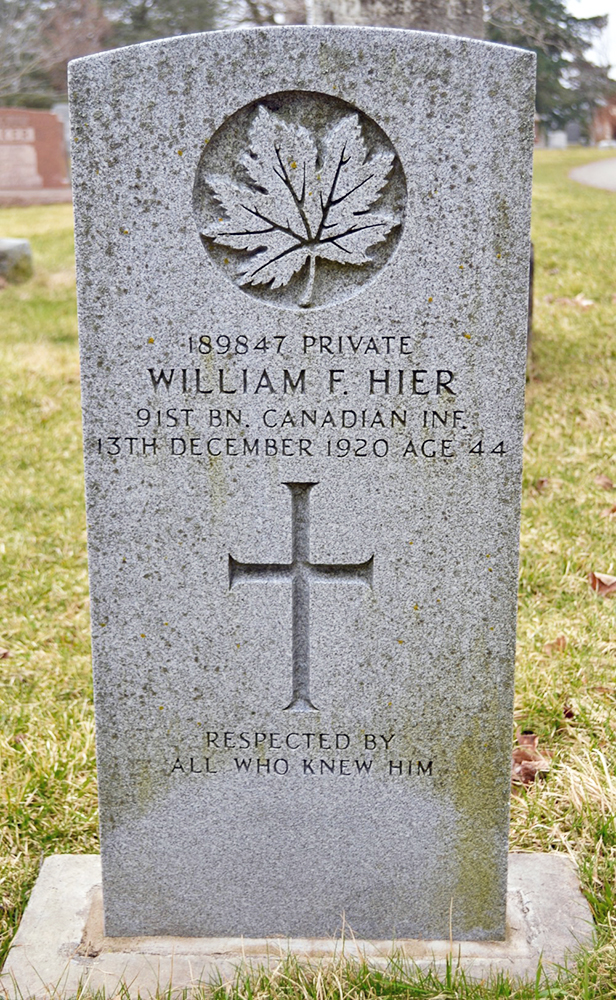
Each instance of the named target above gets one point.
<point>32,156</point>
<point>303,275</point>
<point>60,110</point>
<point>557,139</point>
<point>574,133</point>
<point>15,260</point>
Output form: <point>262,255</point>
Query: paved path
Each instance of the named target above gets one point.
<point>599,175</point>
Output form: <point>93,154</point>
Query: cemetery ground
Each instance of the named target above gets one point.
<point>566,683</point>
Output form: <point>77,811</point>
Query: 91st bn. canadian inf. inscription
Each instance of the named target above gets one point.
<point>302,266</point>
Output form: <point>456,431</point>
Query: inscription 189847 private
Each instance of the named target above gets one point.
<point>302,273</point>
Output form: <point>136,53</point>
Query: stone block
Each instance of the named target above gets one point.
<point>303,280</point>
<point>15,260</point>
<point>60,944</point>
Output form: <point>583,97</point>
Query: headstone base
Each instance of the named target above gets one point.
<point>60,945</point>
<point>35,196</point>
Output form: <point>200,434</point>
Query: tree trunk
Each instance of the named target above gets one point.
<point>449,17</point>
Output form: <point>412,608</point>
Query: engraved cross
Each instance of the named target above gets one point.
<point>300,571</point>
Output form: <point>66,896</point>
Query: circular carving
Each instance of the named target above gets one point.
<point>299,198</point>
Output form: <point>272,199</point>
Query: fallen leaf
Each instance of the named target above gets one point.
<point>4,654</point>
<point>526,761</point>
<point>580,301</point>
<point>604,482</point>
<point>609,511</point>
<point>524,771</point>
<point>557,645</point>
<point>542,484</point>
<point>604,584</point>
<point>526,738</point>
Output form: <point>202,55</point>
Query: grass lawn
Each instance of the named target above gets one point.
<point>566,680</point>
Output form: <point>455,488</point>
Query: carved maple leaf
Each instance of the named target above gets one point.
<point>301,202</point>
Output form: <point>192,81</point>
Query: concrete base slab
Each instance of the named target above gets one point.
<point>60,944</point>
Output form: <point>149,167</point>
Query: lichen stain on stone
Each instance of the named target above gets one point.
<point>219,490</point>
<point>143,785</point>
<point>475,794</point>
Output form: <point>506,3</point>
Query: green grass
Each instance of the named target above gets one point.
<point>47,777</point>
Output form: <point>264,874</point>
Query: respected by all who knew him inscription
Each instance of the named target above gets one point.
<point>303,271</point>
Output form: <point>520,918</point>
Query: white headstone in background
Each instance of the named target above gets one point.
<point>303,279</point>
<point>557,140</point>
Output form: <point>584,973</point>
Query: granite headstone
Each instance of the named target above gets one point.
<point>574,133</point>
<point>32,150</point>
<point>557,139</point>
<point>15,260</point>
<point>303,276</point>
